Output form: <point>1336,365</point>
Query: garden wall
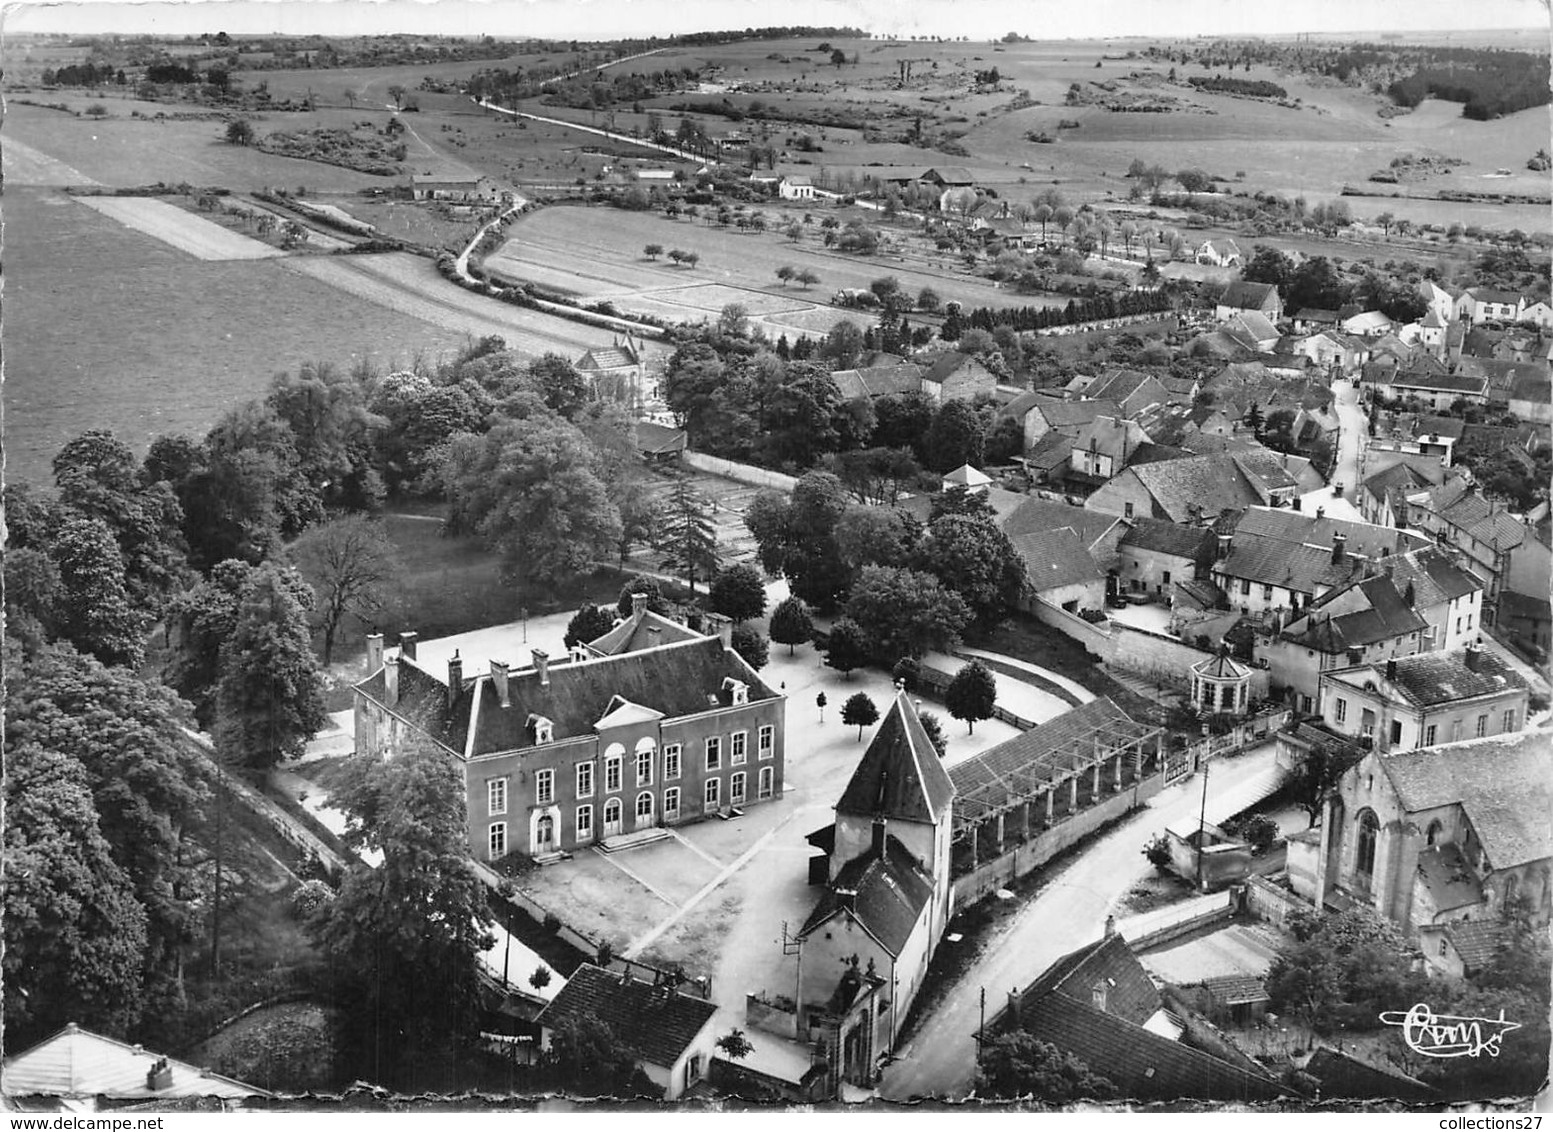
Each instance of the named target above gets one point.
<point>1000,871</point>
<point>1164,924</point>
<point>1266,901</point>
<point>743,473</point>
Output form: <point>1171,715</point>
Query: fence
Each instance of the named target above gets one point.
<point>1002,870</point>
<point>1253,730</point>
<point>1162,924</point>
<point>935,680</point>
<point>743,473</point>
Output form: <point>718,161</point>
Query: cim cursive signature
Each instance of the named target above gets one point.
<point>1449,1035</point>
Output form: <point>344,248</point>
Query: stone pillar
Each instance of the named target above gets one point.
<point>1000,834</point>
<point>975,837</point>
<point>1095,781</point>
<point>1050,793</point>
<point>1073,794</point>
<point>1118,778</point>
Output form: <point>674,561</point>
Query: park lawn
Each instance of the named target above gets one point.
<point>110,328</point>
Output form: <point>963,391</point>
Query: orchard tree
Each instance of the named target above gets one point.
<point>269,701</point>
<point>350,564</point>
<point>859,711</point>
<point>847,647</point>
<point>972,694</point>
<point>791,623</point>
<point>653,251</point>
<point>738,592</point>
<point>239,132</point>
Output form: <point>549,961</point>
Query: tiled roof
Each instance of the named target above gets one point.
<point>1036,515</point>
<point>1202,485</point>
<point>608,357</point>
<point>1118,384</point>
<point>1433,321</point>
<point>1452,428</point>
<point>1344,1076</point>
<point>952,175</point>
<point>1437,382</point>
<point>1399,477</point>
<point>878,381</point>
<point>886,895</point>
<point>1450,881</point>
<point>1168,538</point>
<point>1384,617</point>
<point>1313,314</point>
<point>1130,993</point>
<point>1257,324</point>
<point>1265,466</point>
<point>648,631</point>
<point>1038,755</point>
<point>1051,451</point>
<point>1434,577</point>
<point>1429,678</point>
<point>1505,374</point>
<point>656,439</point>
<point>1504,783</point>
<point>900,775</point>
<point>1493,295</point>
<point>1291,565</point>
<point>652,1024</point>
<point>1110,436</point>
<point>1055,558</point>
<point>947,364</point>
<point>1476,941</point>
<point>1232,990</point>
<point>1288,525</point>
<point>1153,453</point>
<point>1247,296</point>
<point>1514,606</point>
<point>78,1063</point>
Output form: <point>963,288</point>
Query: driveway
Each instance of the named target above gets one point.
<point>1069,912</point>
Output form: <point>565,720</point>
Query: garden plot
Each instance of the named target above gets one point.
<point>183,230</point>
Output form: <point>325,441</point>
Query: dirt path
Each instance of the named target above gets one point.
<point>24,165</point>
<point>178,228</point>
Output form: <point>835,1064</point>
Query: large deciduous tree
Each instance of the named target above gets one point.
<point>94,610</point>
<point>404,939</point>
<point>791,623</point>
<point>349,563</point>
<point>331,430</point>
<point>589,623</point>
<point>269,701</point>
<point>738,592</point>
<point>957,436</point>
<point>1015,1064</point>
<point>905,612</point>
<point>970,555</point>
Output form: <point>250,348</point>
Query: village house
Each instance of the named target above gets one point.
<point>559,756</point>
<point>1222,252</point>
<point>953,376</point>
<point>1428,436</point>
<point>1242,296</point>
<point>1366,324</point>
<point>865,949</point>
<point>1447,597</point>
<point>1487,304</point>
<point>1537,311</point>
<point>1441,303</point>
<point>795,187</point>
<point>1382,497</point>
<point>668,1034</point>
<point>878,381</point>
<point>1155,555</point>
<point>1496,547</point>
<point>462,186</point>
<point>1441,835</point>
<point>1433,390</point>
<point>1100,450</point>
<point>1041,412</point>
<point>1253,331</point>
<point>1311,320</point>
<point>1333,350</point>
<point>1195,490</point>
<point>1071,554</point>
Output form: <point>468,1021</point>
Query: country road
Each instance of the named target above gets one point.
<point>1069,911</point>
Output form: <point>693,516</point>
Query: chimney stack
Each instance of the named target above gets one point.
<point>391,680</point>
<point>879,829</point>
<point>499,672</point>
<point>1339,549</point>
<point>455,678</point>
<point>1321,512</point>
<point>1110,926</point>
<point>722,626</point>
<point>159,1076</point>
<point>1474,654</point>
<point>407,646</point>
<point>374,651</point>
<point>1391,670</point>
<point>542,666</point>
<point>639,603</point>
<point>1222,550</point>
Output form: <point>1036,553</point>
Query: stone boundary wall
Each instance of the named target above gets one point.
<point>743,473</point>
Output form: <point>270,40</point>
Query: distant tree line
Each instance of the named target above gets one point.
<point>1256,88</point>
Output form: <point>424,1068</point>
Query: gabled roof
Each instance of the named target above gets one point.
<point>878,381</point>
<point>1202,486</point>
<point>1055,558</point>
<point>1256,324</point>
<point>1435,579</point>
<point>80,1064</point>
<point>1169,538</point>
<point>608,357</point>
<point>651,1024</point>
<point>1112,437</point>
<point>900,775</point>
<point>1345,1076</point>
<point>1118,384</point>
<point>1036,515</point>
<point>1504,783</point>
<point>657,439</point>
<point>885,894</point>
<point>1427,679</point>
<point>947,364</point>
<point>1494,295</point>
<point>950,175</point>
<point>1501,374</point>
<point>1437,382</point>
<point>1248,296</point>
<point>1476,941</point>
<point>1382,616</point>
<point>1130,993</point>
<point>1286,525</point>
<point>645,632</point>
<point>1314,314</point>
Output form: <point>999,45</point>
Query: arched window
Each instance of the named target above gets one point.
<point>1369,831</point>
<point>546,830</point>
<point>1435,829</point>
<point>612,812</point>
<point>643,807</point>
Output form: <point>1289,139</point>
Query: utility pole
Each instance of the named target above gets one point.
<point>1202,822</point>
<point>215,915</point>
<point>982,1028</point>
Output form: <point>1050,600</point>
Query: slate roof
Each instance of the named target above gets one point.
<point>1055,558</point>
<point>1247,296</point>
<point>1448,878</point>
<point>1385,617</point>
<point>878,381</point>
<point>1504,783</point>
<point>1345,1076</point>
<point>1434,577</point>
<point>608,357</point>
<point>648,631</point>
<point>1476,941</point>
<point>900,775</point>
<point>1429,678</point>
<point>885,894</point>
<point>653,1024</point>
<point>80,1064</point>
<point>656,439</point>
<point>1168,538</point>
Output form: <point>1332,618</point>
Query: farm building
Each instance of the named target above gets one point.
<point>1242,296</point>
<point>1220,253</point>
<point>796,188</point>
<point>948,177</point>
<point>455,185</point>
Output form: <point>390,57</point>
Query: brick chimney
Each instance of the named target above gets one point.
<point>374,651</point>
<point>391,680</point>
<point>1339,549</point>
<point>542,665</point>
<point>455,678</point>
<point>159,1076</point>
<point>499,672</point>
<point>407,645</point>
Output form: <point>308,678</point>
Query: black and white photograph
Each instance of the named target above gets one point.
<point>830,557</point>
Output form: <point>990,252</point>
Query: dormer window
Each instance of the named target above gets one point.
<point>738,691</point>
<point>544,729</point>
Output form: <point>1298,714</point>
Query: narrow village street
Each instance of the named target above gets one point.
<point>1352,434</point>
<point>1070,911</point>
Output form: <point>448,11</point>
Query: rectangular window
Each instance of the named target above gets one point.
<point>544,787</point>
<point>767,740</point>
<point>1340,710</point>
<point>1127,510</point>
<point>767,778</point>
<point>671,762</point>
<point>1267,593</point>
<point>584,780</point>
<point>1245,587</point>
<point>1396,732</point>
<point>671,804</point>
<point>714,753</point>
<point>496,840</point>
<point>1455,730</point>
<point>1509,720</point>
<point>736,788</point>
<point>584,823</point>
<point>712,796</point>
<point>736,747</point>
<point>495,796</point>
<point>612,774</point>
<point>644,767</point>
<point>1166,577</point>
<point>1482,726</point>
<point>1429,734</point>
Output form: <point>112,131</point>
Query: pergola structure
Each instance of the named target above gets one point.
<point>1048,773</point>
